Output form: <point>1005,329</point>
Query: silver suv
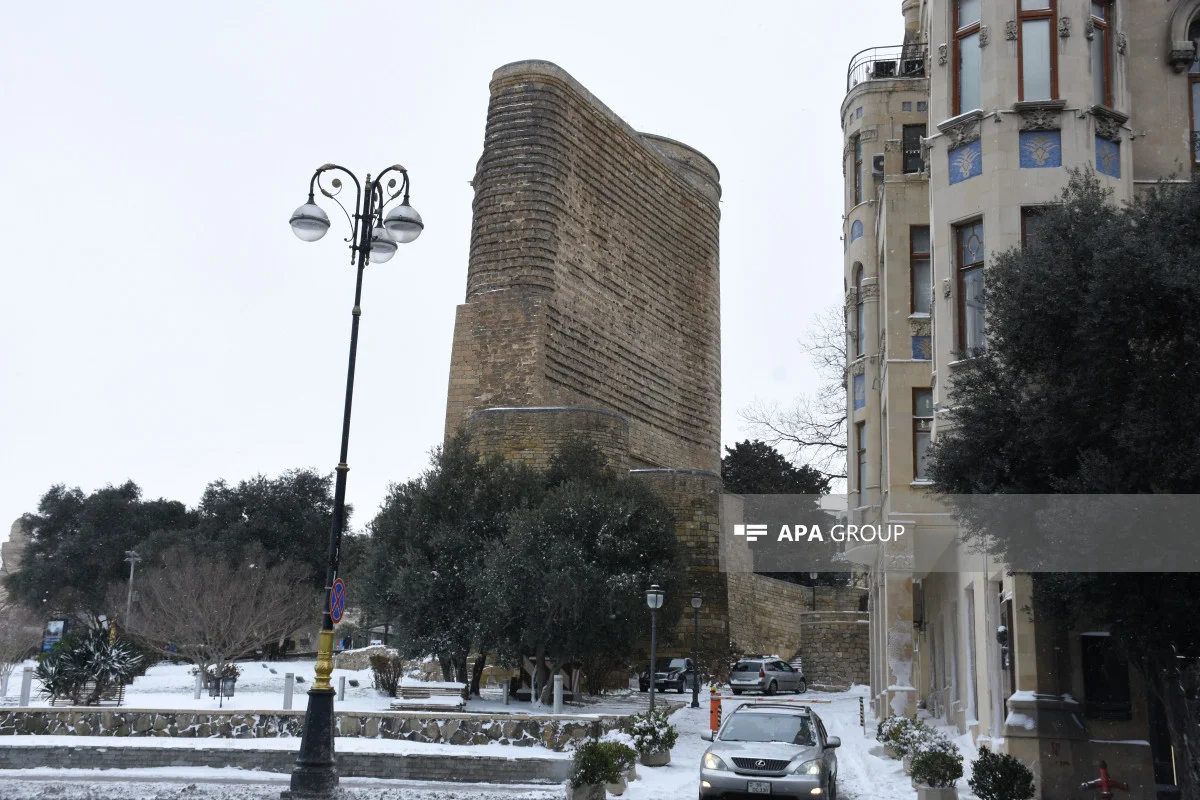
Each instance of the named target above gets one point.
<point>766,675</point>
<point>773,750</point>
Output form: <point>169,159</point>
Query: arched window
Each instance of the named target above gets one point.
<point>1194,89</point>
<point>860,313</point>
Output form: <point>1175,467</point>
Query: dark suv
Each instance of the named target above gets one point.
<point>669,673</point>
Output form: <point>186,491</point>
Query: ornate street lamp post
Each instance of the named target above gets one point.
<point>373,238</point>
<point>696,602</point>
<point>654,599</point>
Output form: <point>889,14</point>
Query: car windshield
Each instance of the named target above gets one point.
<point>664,664</point>
<point>789,728</point>
<point>747,666</point>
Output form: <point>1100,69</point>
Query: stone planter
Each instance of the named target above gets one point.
<point>906,764</point>
<point>592,791</point>
<point>659,759</point>
<point>890,751</point>
<point>929,793</point>
<point>617,789</point>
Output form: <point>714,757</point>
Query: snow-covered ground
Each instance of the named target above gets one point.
<point>260,688</point>
<point>864,773</point>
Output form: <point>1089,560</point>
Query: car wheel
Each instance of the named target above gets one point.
<point>802,686</point>
<point>772,688</point>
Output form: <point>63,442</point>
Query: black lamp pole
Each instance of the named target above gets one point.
<point>654,599</point>
<point>696,603</point>
<point>371,237</point>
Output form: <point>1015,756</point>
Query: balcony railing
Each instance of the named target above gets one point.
<point>882,63</point>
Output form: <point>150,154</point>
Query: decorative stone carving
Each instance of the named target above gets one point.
<point>1108,123</point>
<point>891,146</point>
<point>851,298</point>
<point>945,287</point>
<point>868,134</point>
<point>1089,29</point>
<point>961,130</point>
<point>858,367</point>
<point>1181,56</point>
<point>1122,43</point>
<point>919,326</point>
<point>1064,27</point>
<point>984,36</point>
<point>870,290</point>
<point>1010,30</point>
<point>942,50</point>
<point>1039,115</point>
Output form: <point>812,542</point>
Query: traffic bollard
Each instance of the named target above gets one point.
<point>504,688</point>
<point>341,688</point>
<point>558,694</point>
<point>288,679</point>
<point>199,686</point>
<point>862,716</point>
<point>714,708</point>
<point>26,685</point>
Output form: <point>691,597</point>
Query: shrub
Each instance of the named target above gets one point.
<point>1000,777</point>
<point>600,762</point>
<point>387,670</point>
<point>893,730</point>
<point>937,768</point>
<point>90,657</point>
<point>653,732</point>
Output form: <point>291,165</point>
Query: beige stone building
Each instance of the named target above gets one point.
<point>953,139</point>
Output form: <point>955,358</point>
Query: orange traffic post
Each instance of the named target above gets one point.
<point>714,708</point>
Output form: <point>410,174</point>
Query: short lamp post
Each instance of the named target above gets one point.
<point>133,558</point>
<point>696,602</point>
<point>654,599</point>
<point>373,239</point>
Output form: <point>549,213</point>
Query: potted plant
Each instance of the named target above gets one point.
<point>653,737</point>
<point>1000,777</point>
<point>892,735</point>
<point>596,766</point>
<point>935,772</point>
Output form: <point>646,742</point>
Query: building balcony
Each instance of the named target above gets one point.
<point>887,63</point>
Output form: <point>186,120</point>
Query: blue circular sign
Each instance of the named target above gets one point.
<point>337,600</point>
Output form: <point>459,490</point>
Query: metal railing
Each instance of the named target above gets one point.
<point>881,63</point>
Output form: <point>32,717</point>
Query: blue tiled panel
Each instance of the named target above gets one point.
<point>1108,158</point>
<point>860,392</point>
<point>966,162</point>
<point>856,230</point>
<point>1041,149</point>
<point>922,347</point>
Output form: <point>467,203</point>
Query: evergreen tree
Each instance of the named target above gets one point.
<point>754,467</point>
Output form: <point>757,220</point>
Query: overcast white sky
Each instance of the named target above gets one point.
<point>160,322</point>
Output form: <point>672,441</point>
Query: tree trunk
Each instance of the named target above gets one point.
<point>477,673</point>
<point>539,673</point>
<point>460,669</point>
<point>1183,722</point>
<point>447,667</point>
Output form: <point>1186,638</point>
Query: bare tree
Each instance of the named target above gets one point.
<point>211,611</point>
<point>813,429</point>
<point>20,635</point>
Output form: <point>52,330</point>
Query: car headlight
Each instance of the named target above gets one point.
<point>808,768</point>
<point>712,761</point>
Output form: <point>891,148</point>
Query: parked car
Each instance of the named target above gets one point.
<point>774,750</point>
<point>670,673</point>
<point>766,675</point>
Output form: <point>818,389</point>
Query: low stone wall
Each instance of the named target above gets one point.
<point>554,733</point>
<point>835,648</point>
<point>424,767</point>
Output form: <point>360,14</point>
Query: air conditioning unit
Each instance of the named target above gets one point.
<point>877,165</point>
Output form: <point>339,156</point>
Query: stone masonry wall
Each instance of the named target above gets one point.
<point>533,435</point>
<point>593,275</point>
<point>835,648</point>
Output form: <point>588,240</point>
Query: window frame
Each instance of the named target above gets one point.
<point>860,312</point>
<point>1028,213</point>
<point>904,150</point>
<point>860,452</point>
<point>858,181</point>
<point>916,424</point>
<point>958,35</point>
<point>1193,82</point>
<point>1104,25</point>
<point>960,272</point>
<point>1024,16</point>
<point>913,255</point>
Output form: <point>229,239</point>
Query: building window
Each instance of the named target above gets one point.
<point>858,183</point>
<point>922,430</point>
<point>1105,678</point>
<point>1037,57</point>
<point>919,269</point>
<point>860,313</point>
<point>967,56</point>
<point>968,241</point>
<point>1031,218</point>
<point>1101,53</point>
<point>1194,94</point>
<point>860,447</point>
<point>912,148</point>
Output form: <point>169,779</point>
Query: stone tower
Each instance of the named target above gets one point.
<point>593,303</point>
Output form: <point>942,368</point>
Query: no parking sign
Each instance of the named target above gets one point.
<point>337,601</point>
